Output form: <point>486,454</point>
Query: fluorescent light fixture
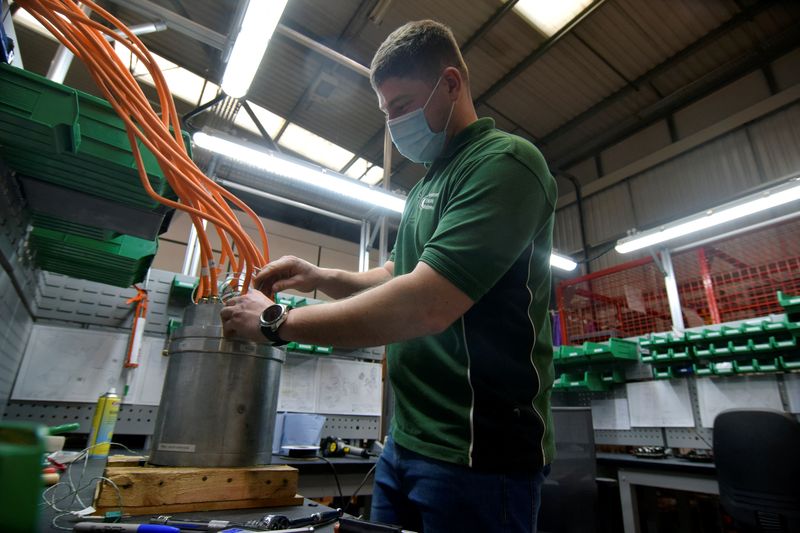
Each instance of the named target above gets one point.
<point>549,16</point>
<point>756,203</point>
<point>316,177</point>
<point>564,263</point>
<point>258,25</point>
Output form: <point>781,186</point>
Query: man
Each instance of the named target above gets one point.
<point>461,304</point>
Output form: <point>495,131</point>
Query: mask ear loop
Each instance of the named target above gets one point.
<point>452,107</point>
<point>433,91</point>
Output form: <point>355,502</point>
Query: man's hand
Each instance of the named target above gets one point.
<point>240,316</point>
<point>288,272</point>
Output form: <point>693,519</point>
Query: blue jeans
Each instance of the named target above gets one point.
<point>423,494</point>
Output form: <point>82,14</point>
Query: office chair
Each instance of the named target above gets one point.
<point>571,484</point>
<point>757,453</point>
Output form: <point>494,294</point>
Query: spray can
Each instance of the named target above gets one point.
<point>105,416</point>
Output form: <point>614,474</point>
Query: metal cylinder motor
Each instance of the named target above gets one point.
<point>219,399</point>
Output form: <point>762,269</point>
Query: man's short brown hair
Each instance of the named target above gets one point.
<point>420,50</point>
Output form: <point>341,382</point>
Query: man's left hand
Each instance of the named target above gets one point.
<point>240,316</point>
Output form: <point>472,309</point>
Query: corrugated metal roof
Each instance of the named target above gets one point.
<point>186,52</point>
<point>500,50</point>
<point>324,21</point>
<point>285,72</point>
<point>617,43</point>
<point>545,92</point>
<point>574,94</point>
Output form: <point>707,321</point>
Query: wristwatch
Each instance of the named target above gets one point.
<point>271,319</point>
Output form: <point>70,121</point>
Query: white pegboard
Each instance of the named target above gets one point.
<point>633,437</point>
<point>73,300</point>
<point>699,438</point>
<point>140,419</point>
<point>132,419</point>
<point>352,427</point>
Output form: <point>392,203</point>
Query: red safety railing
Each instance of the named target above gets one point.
<point>730,279</point>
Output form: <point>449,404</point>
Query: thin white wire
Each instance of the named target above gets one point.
<point>75,489</point>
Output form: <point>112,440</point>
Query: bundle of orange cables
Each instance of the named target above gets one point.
<point>200,197</point>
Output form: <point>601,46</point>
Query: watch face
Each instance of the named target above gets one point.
<point>272,313</point>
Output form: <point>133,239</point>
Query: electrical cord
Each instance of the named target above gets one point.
<point>608,248</point>
<point>360,486</point>
<point>200,197</point>
<point>52,499</point>
<point>335,477</point>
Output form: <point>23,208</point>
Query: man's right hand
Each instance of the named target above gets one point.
<point>288,272</point>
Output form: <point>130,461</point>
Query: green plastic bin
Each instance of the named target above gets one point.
<point>85,142</point>
<point>21,453</point>
<point>121,261</point>
<point>572,355</point>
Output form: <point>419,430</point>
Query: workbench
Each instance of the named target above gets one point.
<point>96,467</point>
<point>669,473</point>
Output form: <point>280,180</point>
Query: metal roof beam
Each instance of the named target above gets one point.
<point>175,22</point>
<point>724,28</point>
<point>210,37</point>
<point>538,53</point>
<point>488,25</point>
<point>716,79</point>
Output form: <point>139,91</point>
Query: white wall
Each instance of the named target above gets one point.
<point>734,139</point>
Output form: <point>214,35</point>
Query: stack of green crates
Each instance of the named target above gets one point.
<point>61,136</point>
<point>120,261</point>
<point>593,366</point>
<point>749,347</point>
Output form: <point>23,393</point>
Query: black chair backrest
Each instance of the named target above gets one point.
<point>569,494</point>
<point>757,454</point>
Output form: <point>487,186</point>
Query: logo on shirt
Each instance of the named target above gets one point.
<point>428,201</point>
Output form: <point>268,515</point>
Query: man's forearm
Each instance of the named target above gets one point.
<point>341,283</point>
<point>387,313</point>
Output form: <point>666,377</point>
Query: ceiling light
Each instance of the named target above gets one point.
<point>750,205</point>
<point>258,25</point>
<point>549,16</point>
<point>564,263</point>
<point>275,164</point>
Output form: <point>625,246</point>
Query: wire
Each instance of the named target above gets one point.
<point>52,500</point>
<point>360,486</point>
<point>200,197</point>
<point>335,477</point>
<point>608,248</point>
<point>699,436</point>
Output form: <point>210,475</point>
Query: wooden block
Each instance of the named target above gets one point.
<point>154,490</point>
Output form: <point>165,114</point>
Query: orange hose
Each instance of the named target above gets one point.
<point>200,197</point>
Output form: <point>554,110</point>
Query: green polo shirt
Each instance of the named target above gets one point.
<point>478,394</point>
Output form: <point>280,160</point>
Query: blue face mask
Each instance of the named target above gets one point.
<point>413,137</point>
